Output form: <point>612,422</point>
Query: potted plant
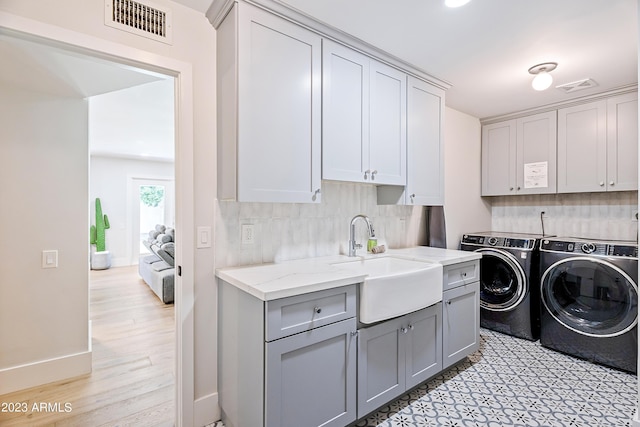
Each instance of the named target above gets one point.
<point>101,258</point>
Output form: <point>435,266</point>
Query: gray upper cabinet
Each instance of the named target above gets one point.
<point>519,156</point>
<point>598,145</point>
<point>582,148</point>
<point>269,108</point>
<point>364,118</point>
<point>425,157</point>
<point>622,142</point>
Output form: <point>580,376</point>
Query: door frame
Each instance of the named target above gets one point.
<point>182,73</point>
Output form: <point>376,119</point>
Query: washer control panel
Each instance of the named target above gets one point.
<point>498,241</point>
<point>629,250</point>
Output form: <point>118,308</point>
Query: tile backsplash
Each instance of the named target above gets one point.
<point>287,231</point>
<point>588,215</point>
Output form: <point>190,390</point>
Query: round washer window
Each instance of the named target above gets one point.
<point>502,280</point>
<point>590,296</point>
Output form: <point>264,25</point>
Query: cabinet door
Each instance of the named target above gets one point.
<point>622,142</point>
<point>425,160</point>
<point>279,90</point>
<point>582,148</point>
<point>536,154</point>
<point>388,125</point>
<point>345,108</point>
<point>424,345</point>
<point>381,365</point>
<point>311,378</point>
<point>461,323</point>
<point>499,158</point>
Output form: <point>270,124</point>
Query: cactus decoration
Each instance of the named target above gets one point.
<point>97,234</point>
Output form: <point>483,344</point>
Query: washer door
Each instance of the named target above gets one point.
<point>590,296</point>
<point>502,280</point>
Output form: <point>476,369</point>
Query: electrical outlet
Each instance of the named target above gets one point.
<point>248,234</point>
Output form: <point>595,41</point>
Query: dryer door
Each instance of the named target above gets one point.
<point>503,283</point>
<point>590,296</point>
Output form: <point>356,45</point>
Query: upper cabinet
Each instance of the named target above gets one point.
<point>425,149</point>
<point>269,108</point>
<point>519,156</point>
<point>598,145</point>
<point>364,118</point>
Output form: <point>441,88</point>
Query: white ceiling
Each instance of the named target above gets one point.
<point>485,48</point>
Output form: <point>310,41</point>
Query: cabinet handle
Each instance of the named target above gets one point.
<point>612,183</point>
<point>463,274</point>
<point>412,196</point>
<point>601,183</point>
<point>366,174</point>
<point>510,188</point>
<point>315,195</point>
<point>449,302</point>
<point>518,188</point>
<point>404,330</point>
<point>373,174</point>
<point>411,327</point>
<point>317,310</point>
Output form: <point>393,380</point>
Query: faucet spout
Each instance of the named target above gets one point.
<point>352,231</point>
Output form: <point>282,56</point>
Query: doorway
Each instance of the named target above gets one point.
<point>123,57</point>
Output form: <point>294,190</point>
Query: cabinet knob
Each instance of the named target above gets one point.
<point>449,302</point>
<point>317,310</point>
<point>612,183</point>
<point>366,173</point>
<point>373,174</point>
<point>518,188</point>
<point>411,327</point>
<point>404,330</point>
<point>315,195</point>
<point>412,196</point>
<point>510,188</point>
<point>601,183</point>
<point>463,274</point>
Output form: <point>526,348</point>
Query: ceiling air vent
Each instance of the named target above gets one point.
<point>144,19</point>
<point>576,86</point>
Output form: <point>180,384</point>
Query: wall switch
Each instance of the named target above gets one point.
<point>50,259</point>
<point>248,234</point>
<point>203,237</point>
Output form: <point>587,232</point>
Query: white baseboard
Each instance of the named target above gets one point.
<point>206,410</point>
<point>44,372</point>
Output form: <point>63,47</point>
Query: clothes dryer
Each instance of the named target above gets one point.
<point>509,281</point>
<point>589,295</point>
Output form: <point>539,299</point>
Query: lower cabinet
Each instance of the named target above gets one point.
<point>311,377</point>
<point>396,355</point>
<point>460,323</point>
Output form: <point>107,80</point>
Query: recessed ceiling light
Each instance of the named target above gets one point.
<point>455,3</point>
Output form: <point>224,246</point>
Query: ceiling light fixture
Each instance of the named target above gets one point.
<point>455,3</point>
<point>542,79</point>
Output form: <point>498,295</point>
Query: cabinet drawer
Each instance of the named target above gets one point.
<point>461,274</point>
<point>288,316</point>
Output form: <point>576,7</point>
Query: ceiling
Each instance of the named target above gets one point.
<point>485,48</point>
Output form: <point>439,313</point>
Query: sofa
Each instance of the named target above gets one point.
<point>157,269</point>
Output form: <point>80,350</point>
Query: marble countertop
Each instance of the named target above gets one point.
<point>272,281</point>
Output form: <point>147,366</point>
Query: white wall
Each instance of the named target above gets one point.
<point>44,193</point>
<point>193,43</point>
<point>286,231</point>
<point>606,216</point>
<point>110,180</point>
<point>465,210</point>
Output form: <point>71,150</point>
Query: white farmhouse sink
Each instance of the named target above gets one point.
<point>395,286</point>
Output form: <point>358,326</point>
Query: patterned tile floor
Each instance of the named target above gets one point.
<point>514,382</point>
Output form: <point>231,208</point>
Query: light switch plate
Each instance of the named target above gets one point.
<point>50,259</point>
<point>203,237</point>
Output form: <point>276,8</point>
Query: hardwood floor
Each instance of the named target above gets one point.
<point>133,381</point>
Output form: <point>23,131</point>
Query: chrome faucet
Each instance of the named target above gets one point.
<point>352,229</point>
